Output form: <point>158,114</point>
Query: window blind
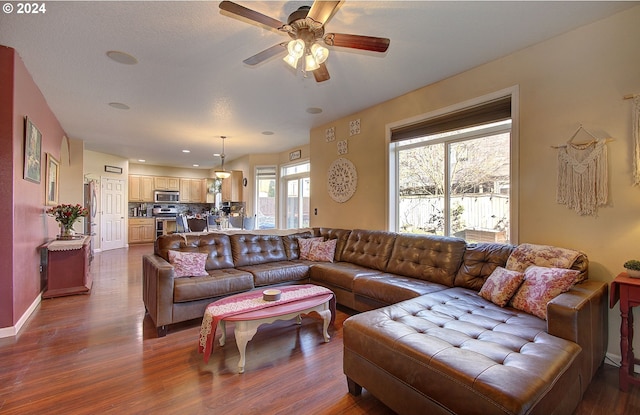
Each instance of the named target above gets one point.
<point>269,171</point>
<point>492,111</point>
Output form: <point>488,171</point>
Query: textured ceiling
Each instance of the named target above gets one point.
<point>190,85</point>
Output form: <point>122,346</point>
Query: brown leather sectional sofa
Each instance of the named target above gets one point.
<point>425,341</point>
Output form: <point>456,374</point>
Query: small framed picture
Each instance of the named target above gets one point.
<point>32,151</point>
<point>113,169</point>
<point>53,180</point>
<point>295,155</point>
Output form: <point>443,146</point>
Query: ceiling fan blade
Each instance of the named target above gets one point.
<point>266,54</point>
<point>321,74</point>
<point>375,44</point>
<point>321,10</point>
<point>242,11</point>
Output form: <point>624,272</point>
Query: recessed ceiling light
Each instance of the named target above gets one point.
<point>122,57</point>
<point>186,151</point>
<point>142,160</point>
<point>216,154</point>
<point>196,165</point>
<point>267,133</point>
<point>119,105</point>
<point>314,110</point>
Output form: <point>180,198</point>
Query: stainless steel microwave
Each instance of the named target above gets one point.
<point>166,196</point>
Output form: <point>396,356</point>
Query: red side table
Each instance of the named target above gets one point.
<point>627,290</point>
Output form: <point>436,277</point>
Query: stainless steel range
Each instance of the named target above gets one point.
<point>162,214</point>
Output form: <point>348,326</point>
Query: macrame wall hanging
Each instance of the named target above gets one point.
<point>582,174</point>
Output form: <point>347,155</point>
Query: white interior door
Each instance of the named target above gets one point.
<point>112,224</point>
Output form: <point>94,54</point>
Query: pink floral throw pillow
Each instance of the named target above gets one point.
<point>540,286</point>
<point>188,264</point>
<point>541,255</point>
<point>501,285</point>
<point>323,251</point>
<point>305,245</point>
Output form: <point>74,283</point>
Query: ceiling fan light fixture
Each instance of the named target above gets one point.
<point>310,63</point>
<point>291,61</point>
<point>320,53</point>
<point>296,48</point>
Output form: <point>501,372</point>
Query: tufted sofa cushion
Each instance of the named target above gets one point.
<point>427,257</point>
<point>479,261</point>
<point>370,249</point>
<point>462,351</point>
<point>291,244</point>
<point>342,235</point>
<point>216,246</point>
<point>250,249</point>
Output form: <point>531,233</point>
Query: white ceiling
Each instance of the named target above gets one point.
<point>190,85</point>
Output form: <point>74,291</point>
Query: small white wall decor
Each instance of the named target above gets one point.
<point>343,147</point>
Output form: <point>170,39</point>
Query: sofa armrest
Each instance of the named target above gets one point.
<point>157,289</point>
<point>580,316</point>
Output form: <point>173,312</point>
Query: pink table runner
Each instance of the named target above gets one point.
<point>245,302</point>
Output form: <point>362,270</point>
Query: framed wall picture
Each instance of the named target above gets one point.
<point>53,179</point>
<point>32,151</point>
<point>113,169</point>
<point>295,155</point>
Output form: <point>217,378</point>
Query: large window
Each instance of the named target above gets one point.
<point>266,197</point>
<point>453,174</point>
<point>296,184</point>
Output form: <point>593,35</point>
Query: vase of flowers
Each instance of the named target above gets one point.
<point>66,216</point>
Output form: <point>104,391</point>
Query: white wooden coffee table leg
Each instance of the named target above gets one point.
<point>244,333</point>
<point>222,326</point>
<point>326,319</point>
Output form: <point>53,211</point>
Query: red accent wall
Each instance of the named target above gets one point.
<point>22,201</point>
<point>6,186</point>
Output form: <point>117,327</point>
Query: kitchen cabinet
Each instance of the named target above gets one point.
<point>198,190</point>
<point>67,267</point>
<point>166,183</point>
<point>232,187</point>
<point>141,230</point>
<point>192,190</point>
<point>140,188</point>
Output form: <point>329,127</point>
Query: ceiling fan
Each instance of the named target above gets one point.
<point>306,27</point>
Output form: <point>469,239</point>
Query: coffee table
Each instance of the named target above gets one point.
<point>246,324</point>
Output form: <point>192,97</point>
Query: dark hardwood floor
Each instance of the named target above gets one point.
<point>98,354</point>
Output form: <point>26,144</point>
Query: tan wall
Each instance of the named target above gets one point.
<point>248,164</point>
<point>577,78</point>
<point>151,170</point>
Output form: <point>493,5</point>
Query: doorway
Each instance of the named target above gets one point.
<point>112,222</point>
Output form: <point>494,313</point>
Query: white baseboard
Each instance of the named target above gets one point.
<point>14,330</point>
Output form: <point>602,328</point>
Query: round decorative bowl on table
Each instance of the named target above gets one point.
<point>271,295</point>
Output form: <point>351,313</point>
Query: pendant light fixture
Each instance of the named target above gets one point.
<point>222,174</point>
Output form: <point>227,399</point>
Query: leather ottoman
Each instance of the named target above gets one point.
<point>453,352</point>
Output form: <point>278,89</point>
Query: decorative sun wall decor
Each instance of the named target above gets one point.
<point>342,180</point>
